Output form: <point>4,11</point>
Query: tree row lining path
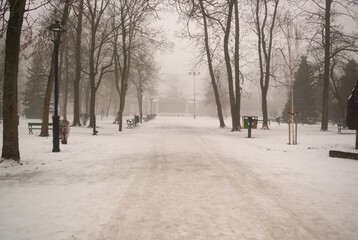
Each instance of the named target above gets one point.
<point>180,178</point>
<point>192,185</point>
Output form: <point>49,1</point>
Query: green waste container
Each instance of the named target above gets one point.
<point>245,122</point>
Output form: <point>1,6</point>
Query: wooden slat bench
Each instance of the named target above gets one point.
<point>341,126</point>
<point>261,120</point>
<point>34,126</point>
<point>130,123</point>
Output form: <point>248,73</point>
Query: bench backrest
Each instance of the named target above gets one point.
<point>38,124</point>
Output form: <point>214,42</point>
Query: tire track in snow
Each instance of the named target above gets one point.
<point>262,201</point>
<point>188,188</point>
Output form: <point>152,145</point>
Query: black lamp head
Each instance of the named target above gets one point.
<point>56,27</point>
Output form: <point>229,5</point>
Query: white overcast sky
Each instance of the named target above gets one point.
<point>178,62</point>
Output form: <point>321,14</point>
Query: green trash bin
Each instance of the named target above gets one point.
<point>245,122</point>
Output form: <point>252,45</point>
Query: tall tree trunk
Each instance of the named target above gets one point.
<point>264,108</point>
<point>121,105</point>
<point>10,148</point>
<point>266,50</point>
<point>92,70</point>
<point>140,103</point>
<point>327,45</point>
<point>259,49</point>
<point>76,84</point>
<point>87,98</point>
<point>211,69</point>
<point>67,76</point>
<point>116,72</point>
<point>110,103</point>
<point>92,105</point>
<point>47,99</point>
<point>125,71</point>
<point>92,78</point>
<point>264,91</point>
<point>237,66</point>
<point>229,68</point>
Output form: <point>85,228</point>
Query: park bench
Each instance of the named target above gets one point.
<point>33,126</point>
<point>261,120</point>
<point>342,126</point>
<point>130,123</point>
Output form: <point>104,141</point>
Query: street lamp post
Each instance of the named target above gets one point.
<point>57,29</point>
<point>194,74</point>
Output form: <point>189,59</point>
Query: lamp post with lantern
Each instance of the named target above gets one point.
<point>57,29</point>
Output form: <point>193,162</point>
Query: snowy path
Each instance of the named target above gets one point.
<point>176,178</point>
<point>190,188</point>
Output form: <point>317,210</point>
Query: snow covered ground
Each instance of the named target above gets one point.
<point>180,178</point>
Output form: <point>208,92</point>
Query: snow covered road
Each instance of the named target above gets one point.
<point>182,179</point>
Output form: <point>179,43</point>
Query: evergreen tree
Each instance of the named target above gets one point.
<point>348,80</point>
<point>304,94</point>
<point>34,93</point>
<point>345,84</point>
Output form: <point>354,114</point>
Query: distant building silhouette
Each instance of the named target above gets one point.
<point>172,106</point>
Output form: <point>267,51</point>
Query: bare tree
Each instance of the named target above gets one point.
<point>227,31</point>
<point>145,76</point>
<point>10,148</point>
<point>100,59</point>
<point>238,89</point>
<point>265,34</point>
<point>330,40</point>
<point>199,13</point>
<point>76,83</point>
<point>131,15</point>
<point>47,99</point>
<point>327,40</point>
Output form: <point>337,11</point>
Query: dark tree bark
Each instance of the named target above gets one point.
<point>127,37</point>
<point>116,68</point>
<point>92,72</point>
<point>87,98</point>
<point>76,84</point>
<point>265,53</point>
<point>237,66</point>
<point>327,46</point>
<point>131,14</point>
<point>66,79</point>
<point>97,69</point>
<point>51,77</point>
<point>140,102</point>
<point>10,148</point>
<point>210,66</point>
<point>229,68</point>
